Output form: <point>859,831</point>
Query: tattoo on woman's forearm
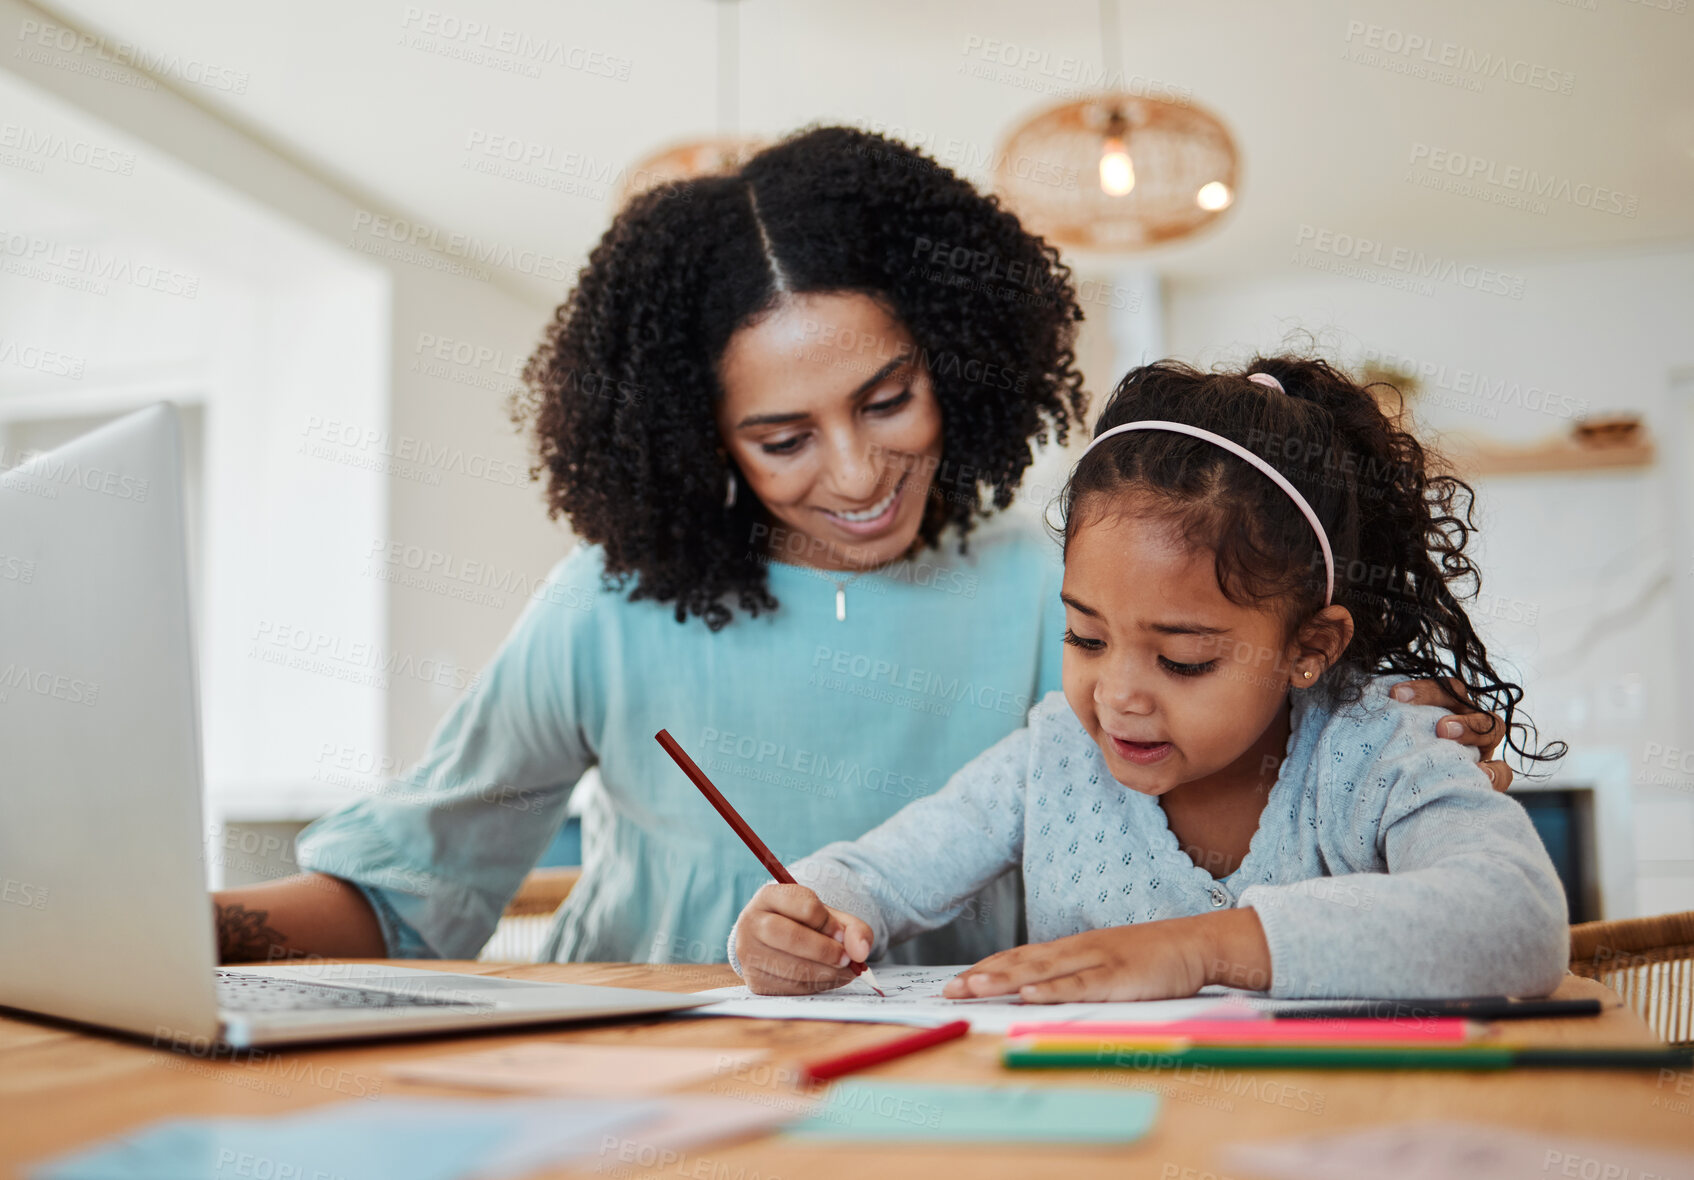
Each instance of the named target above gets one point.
<point>243,936</point>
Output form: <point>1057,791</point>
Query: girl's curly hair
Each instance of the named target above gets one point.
<point>621,394</point>
<point>1397,524</point>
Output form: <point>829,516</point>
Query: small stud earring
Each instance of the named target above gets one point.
<point>1307,674</point>
<point>729,496</point>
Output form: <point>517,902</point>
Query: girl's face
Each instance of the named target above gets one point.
<point>1170,678</point>
<point>830,420</point>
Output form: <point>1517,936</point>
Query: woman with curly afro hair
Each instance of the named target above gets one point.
<point>776,407</point>
<point>819,258</point>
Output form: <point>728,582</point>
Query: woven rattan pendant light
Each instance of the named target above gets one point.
<point>1117,170</point>
<point>724,151</point>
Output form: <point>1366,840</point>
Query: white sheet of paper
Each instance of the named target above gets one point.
<point>1451,1151</point>
<point>914,997</point>
<point>692,1121</point>
<point>518,1135</point>
<point>681,1123</point>
<point>597,1071</point>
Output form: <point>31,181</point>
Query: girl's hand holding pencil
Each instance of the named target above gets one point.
<point>791,944</point>
<point>795,924</point>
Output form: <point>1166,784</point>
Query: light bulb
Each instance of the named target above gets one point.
<point>1117,174</point>
<point>1214,196</point>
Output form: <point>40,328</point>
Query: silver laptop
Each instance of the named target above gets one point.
<point>104,914</point>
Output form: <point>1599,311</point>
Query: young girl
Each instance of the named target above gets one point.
<point>1227,792</point>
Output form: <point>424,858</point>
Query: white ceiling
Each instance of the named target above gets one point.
<point>1326,141</point>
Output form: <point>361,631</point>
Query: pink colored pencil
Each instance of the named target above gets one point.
<point>1438,1030</point>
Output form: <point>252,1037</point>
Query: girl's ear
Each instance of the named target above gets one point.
<point>1318,644</point>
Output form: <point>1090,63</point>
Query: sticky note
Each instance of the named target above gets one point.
<point>554,1067</point>
<point>909,1112</point>
<point>223,1149</point>
<point>394,1139</point>
<point>1451,1150</point>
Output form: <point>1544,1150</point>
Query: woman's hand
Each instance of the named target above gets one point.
<point>1469,728</point>
<point>1147,961</point>
<point>791,944</point>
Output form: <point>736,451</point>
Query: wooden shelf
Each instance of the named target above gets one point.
<point>1472,457</point>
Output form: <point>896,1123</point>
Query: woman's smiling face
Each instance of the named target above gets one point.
<point>830,419</point>
<point>1170,678</point>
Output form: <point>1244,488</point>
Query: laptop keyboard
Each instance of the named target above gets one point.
<point>241,992</point>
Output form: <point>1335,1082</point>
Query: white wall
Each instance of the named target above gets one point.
<point>259,327</point>
<point>353,402</point>
<point>1590,557</point>
<point>457,350</point>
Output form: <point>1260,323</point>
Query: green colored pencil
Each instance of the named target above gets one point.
<point>1353,1057</point>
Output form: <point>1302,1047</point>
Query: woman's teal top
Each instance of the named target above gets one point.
<point>816,728</point>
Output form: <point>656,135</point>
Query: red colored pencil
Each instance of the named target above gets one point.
<point>749,837</point>
<point>834,1067</point>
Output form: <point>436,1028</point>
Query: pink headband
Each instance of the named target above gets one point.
<point>1276,476</point>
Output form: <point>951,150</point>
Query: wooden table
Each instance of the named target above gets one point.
<point>60,1089</point>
